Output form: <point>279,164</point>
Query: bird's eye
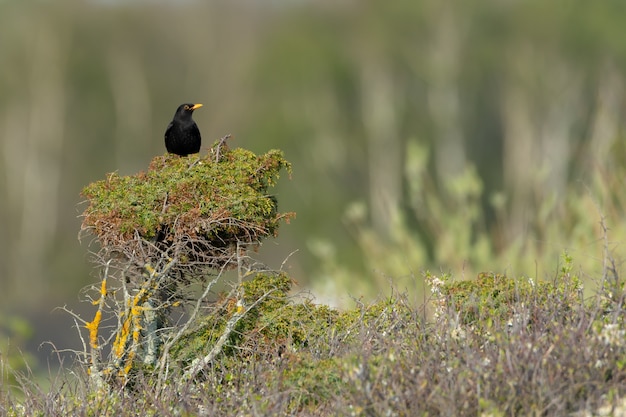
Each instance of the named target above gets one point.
<point>186,107</point>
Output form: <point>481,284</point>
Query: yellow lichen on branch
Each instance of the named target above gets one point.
<point>120,339</point>
<point>93,325</point>
<point>135,313</point>
<point>103,292</point>
<point>133,318</point>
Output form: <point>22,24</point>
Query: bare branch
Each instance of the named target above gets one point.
<point>200,363</point>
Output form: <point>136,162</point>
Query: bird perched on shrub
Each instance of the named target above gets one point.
<point>182,136</point>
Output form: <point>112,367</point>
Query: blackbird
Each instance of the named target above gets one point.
<point>182,136</point>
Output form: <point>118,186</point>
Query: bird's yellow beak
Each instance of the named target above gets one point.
<point>196,106</point>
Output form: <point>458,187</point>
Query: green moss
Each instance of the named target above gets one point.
<point>273,323</point>
<point>278,322</point>
<point>495,297</point>
<point>220,201</point>
<point>300,347</point>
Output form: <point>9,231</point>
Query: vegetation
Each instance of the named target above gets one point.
<point>177,193</point>
<point>214,201</point>
<point>493,346</point>
<point>428,135</point>
<point>183,223</point>
<point>162,342</point>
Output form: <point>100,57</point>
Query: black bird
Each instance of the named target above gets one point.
<point>182,136</point>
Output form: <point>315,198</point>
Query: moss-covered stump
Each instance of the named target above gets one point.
<point>194,209</point>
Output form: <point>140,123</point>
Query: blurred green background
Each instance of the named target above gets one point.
<point>456,136</point>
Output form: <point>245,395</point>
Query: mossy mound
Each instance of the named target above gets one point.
<point>202,203</point>
<point>295,345</point>
<point>495,298</point>
<point>273,324</point>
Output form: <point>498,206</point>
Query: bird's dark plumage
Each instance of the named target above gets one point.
<point>182,136</point>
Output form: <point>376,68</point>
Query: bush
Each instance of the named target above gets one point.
<point>496,345</point>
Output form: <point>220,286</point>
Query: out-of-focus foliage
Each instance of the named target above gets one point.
<point>434,134</point>
<point>15,332</point>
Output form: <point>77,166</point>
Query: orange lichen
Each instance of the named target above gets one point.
<point>92,326</point>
